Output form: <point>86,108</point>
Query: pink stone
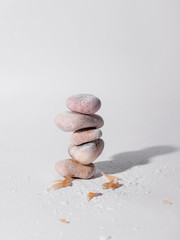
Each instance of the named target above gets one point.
<point>71,168</point>
<point>87,152</point>
<point>72,121</point>
<point>83,103</point>
<point>84,136</point>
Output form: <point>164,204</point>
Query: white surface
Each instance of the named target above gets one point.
<point>125,52</point>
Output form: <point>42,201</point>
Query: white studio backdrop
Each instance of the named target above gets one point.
<point>125,52</point>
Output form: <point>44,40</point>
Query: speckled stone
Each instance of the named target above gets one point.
<point>83,103</point>
<point>84,136</point>
<point>87,152</point>
<point>72,121</point>
<point>72,168</point>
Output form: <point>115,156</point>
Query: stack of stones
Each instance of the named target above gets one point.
<point>86,144</point>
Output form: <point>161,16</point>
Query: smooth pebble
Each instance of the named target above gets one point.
<point>71,121</point>
<point>83,103</point>
<point>87,152</point>
<point>84,136</point>
<point>72,168</point>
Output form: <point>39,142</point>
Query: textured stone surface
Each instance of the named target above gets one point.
<point>83,103</point>
<point>87,152</point>
<point>71,121</point>
<point>84,136</point>
<point>71,168</point>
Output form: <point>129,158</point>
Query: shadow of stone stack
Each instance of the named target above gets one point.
<point>86,143</point>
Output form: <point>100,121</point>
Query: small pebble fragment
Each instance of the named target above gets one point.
<point>72,121</point>
<point>84,136</point>
<point>87,152</point>
<point>72,168</point>
<point>83,103</point>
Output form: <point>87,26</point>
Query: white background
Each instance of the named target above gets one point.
<point>128,54</point>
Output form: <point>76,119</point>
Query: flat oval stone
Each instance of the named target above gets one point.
<point>84,136</point>
<point>83,103</point>
<point>71,168</point>
<point>87,152</point>
<point>72,121</point>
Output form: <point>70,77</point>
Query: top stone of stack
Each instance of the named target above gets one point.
<point>83,103</point>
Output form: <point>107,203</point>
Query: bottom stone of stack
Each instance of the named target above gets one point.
<point>72,168</point>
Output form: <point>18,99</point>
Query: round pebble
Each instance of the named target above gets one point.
<point>83,103</point>
<point>72,121</point>
<point>87,152</point>
<point>84,136</point>
<point>71,168</point>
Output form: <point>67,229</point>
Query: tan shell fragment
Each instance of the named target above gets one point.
<point>111,184</point>
<point>91,195</point>
<point>61,184</point>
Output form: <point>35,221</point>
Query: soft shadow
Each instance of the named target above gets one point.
<point>126,160</point>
